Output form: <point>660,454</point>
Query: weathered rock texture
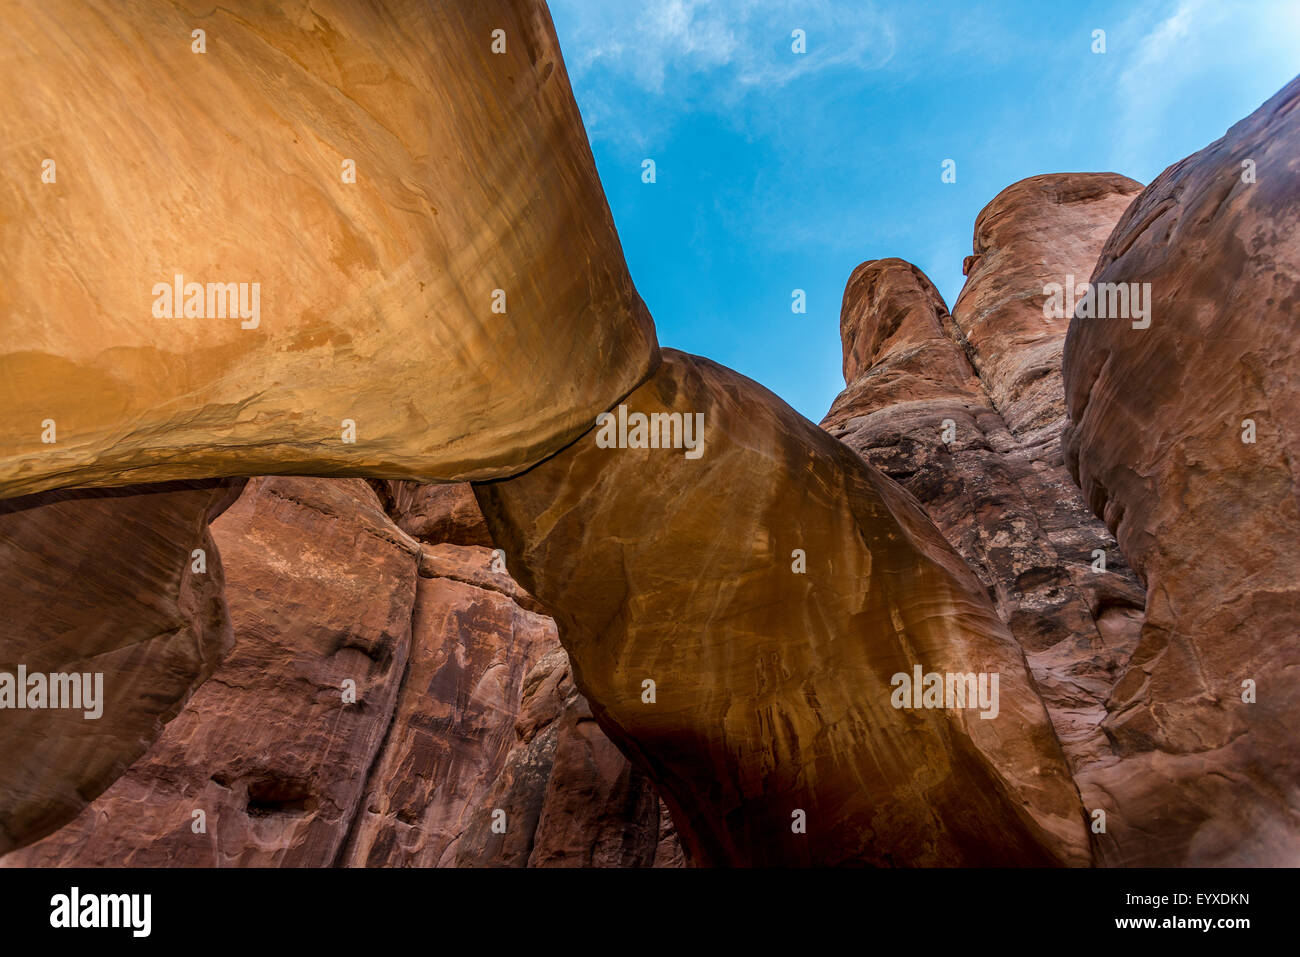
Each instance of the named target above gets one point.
<point>737,620</point>
<point>1209,522</point>
<point>102,582</point>
<point>1037,231</point>
<point>1002,498</point>
<point>571,798</point>
<point>454,721</point>
<point>436,514</point>
<point>323,589</point>
<point>772,685</point>
<point>472,174</point>
<point>461,731</point>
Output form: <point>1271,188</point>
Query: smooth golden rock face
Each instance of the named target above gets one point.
<point>772,686</point>
<point>1183,438</point>
<point>131,158</point>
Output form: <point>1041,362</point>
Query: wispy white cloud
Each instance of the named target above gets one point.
<point>1239,51</point>
<point>706,54</point>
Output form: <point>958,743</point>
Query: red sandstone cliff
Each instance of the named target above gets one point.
<point>323,589</point>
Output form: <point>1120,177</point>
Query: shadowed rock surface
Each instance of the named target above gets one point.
<point>472,705</point>
<point>1210,522</point>
<point>454,720</point>
<point>772,686</point>
<point>324,588</point>
<point>436,514</point>
<point>570,797</point>
<point>102,582</point>
<point>267,749</point>
<point>376,297</point>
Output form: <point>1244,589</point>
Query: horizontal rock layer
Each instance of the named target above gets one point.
<point>406,202</point>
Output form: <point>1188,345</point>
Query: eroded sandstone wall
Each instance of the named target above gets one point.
<point>324,588</point>
<point>931,399</point>
<point>1184,438</point>
<point>771,675</point>
<point>735,621</point>
<point>121,583</point>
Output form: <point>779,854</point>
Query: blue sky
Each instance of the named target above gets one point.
<point>779,171</point>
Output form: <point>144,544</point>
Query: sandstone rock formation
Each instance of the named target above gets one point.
<point>323,588</point>
<point>570,796</point>
<point>377,298</point>
<point>267,749</point>
<point>1162,420</point>
<point>125,583</point>
<point>435,514</point>
<point>454,720</point>
<point>416,208</point>
<point>488,693</point>
<point>916,407</point>
<point>1037,231</point>
<point>770,589</point>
